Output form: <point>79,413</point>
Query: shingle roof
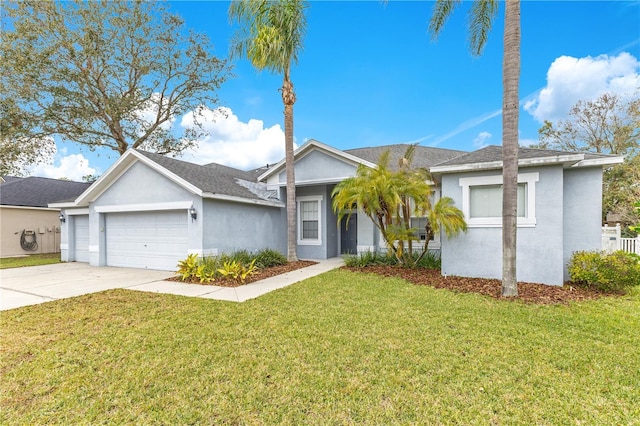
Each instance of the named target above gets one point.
<point>494,153</point>
<point>39,192</point>
<point>423,157</point>
<point>215,178</point>
<point>7,179</point>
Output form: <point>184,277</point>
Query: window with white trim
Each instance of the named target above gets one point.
<point>482,200</point>
<point>309,220</point>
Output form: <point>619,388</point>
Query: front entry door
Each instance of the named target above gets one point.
<point>348,235</point>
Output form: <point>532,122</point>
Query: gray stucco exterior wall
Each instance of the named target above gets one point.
<point>230,226</point>
<point>582,219</point>
<point>318,166</point>
<point>478,253</point>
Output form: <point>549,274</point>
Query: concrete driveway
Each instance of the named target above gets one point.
<point>38,284</point>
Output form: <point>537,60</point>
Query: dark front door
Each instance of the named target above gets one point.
<point>348,235</point>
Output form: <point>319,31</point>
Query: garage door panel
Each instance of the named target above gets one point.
<point>81,238</point>
<point>153,240</point>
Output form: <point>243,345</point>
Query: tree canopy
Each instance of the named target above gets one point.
<point>104,74</point>
<point>609,124</point>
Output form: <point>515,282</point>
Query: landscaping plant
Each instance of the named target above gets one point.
<point>391,198</point>
<point>609,272</point>
<point>237,265</point>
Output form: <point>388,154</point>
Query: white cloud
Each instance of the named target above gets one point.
<point>481,140</point>
<point>73,167</point>
<point>572,79</point>
<point>235,143</point>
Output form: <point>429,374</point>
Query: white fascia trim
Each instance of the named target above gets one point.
<point>175,178</point>
<point>600,162</point>
<point>177,205</point>
<point>310,182</point>
<point>116,170</point>
<point>524,162</point>
<point>76,212</point>
<point>124,163</point>
<point>496,222</point>
<point>242,200</point>
<point>314,143</point>
<point>58,206</point>
<point>45,209</point>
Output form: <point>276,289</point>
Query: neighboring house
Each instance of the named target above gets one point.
<point>27,224</point>
<point>150,211</point>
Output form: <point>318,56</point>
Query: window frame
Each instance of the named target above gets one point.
<point>309,241</point>
<point>529,220</point>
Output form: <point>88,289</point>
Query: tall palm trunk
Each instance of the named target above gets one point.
<point>510,116</point>
<point>289,98</point>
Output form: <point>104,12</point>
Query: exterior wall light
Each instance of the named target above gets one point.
<point>193,213</point>
<point>62,218</point>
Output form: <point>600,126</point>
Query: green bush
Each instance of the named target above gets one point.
<point>610,272</point>
<point>268,257</point>
<point>430,260</point>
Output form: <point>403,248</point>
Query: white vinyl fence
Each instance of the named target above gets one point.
<point>612,241</point>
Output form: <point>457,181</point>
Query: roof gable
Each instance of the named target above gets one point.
<point>210,181</point>
<point>423,156</point>
<point>490,157</point>
<point>309,146</point>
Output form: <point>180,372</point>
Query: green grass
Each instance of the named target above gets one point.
<point>341,348</point>
<point>31,260</point>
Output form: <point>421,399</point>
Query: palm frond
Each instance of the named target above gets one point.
<point>442,10</point>
<point>481,16</point>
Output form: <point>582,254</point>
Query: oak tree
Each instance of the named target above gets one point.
<point>104,74</point>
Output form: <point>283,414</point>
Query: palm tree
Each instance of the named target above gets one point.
<point>271,37</point>
<point>481,19</point>
<point>390,198</point>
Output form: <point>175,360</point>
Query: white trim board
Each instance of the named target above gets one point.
<point>176,205</point>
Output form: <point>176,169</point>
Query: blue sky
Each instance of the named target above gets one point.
<point>371,75</point>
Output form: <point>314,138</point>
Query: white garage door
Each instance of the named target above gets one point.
<point>81,238</point>
<point>151,240</point>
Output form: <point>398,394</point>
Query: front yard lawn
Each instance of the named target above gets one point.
<point>341,348</point>
<point>30,260</point>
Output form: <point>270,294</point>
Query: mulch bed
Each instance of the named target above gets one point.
<point>527,292</point>
<point>259,275</point>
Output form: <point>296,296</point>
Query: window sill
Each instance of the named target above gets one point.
<point>309,242</point>
<point>492,223</point>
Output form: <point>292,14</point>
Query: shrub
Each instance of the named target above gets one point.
<point>237,271</point>
<point>268,257</point>
<point>430,260</point>
<point>242,256</point>
<point>610,272</point>
<point>188,267</point>
<point>370,258</point>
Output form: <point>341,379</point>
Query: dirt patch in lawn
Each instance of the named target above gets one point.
<point>527,292</point>
<point>259,275</point>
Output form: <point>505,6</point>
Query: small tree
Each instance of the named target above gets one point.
<point>271,36</point>
<point>106,74</point>
<point>390,198</point>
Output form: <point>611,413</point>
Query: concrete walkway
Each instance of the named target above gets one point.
<point>37,284</point>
